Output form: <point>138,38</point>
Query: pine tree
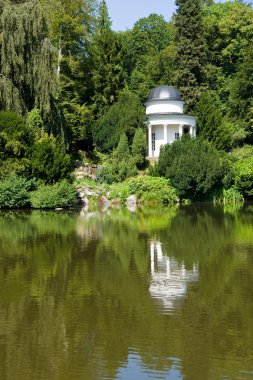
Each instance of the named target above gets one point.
<point>107,58</point>
<point>191,56</point>
<point>241,93</point>
<point>28,75</point>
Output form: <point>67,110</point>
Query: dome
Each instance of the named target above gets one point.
<point>164,93</point>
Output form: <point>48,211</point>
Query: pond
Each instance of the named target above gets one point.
<point>152,294</point>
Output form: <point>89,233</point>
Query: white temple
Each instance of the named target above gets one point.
<point>166,119</point>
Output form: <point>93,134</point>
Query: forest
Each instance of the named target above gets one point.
<point>73,90</point>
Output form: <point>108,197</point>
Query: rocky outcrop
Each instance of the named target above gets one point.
<point>86,171</point>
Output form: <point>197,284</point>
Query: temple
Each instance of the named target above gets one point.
<point>166,119</point>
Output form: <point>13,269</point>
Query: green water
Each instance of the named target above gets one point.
<point>155,294</point>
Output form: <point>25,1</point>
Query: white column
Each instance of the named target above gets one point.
<point>165,134</point>
<point>191,131</point>
<point>150,140</point>
<point>180,130</point>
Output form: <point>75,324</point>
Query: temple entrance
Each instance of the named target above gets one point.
<point>186,130</point>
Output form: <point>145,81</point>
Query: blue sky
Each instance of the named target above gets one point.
<point>124,13</point>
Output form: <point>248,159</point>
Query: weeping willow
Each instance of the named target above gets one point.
<point>27,69</point>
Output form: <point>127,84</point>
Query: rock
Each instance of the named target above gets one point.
<point>131,200</point>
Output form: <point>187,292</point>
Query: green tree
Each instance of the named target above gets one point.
<point>49,160</point>
<point>120,164</point>
<point>195,168</point>
<point>107,62</point>
<point>28,76</point>
<point>191,50</point>
<point>242,170</point>
<point>16,137</point>
<point>213,126</point>
<point>139,148</point>
<point>241,93</point>
<point>228,32</point>
<point>71,24</point>
<point>149,54</point>
<point>125,116</point>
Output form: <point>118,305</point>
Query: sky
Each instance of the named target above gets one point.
<point>124,13</point>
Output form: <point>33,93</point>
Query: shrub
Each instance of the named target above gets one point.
<point>119,191</point>
<point>61,194</point>
<point>242,170</point>
<point>139,148</point>
<point>229,197</point>
<point>154,189</point>
<point>120,165</point>
<point>194,167</point>
<point>50,162</point>
<point>14,192</point>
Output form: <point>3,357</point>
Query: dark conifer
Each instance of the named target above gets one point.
<point>191,50</point>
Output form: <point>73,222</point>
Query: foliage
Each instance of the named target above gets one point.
<point>228,32</point>
<point>229,197</point>
<point>120,165</point>
<point>124,116</point>
<point>222,132</point>
<point>49,159</point>
<point>60,194</point>
<point>149,54</point>
<point>194,167</point>
<point>139,148</point>
<point>107,62</point>
<point>71,24</point>
<point>242,171</point>
<point>241,93</point>
<point>191,50</point>
<point>16,136</point>
<point>28,77</point>
<point>14,192</point>
<point>153,189</point>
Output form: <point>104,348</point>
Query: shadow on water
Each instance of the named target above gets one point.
<point>158,293</point>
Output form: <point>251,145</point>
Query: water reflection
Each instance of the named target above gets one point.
<point>78,294</point>
<point>169,278</point>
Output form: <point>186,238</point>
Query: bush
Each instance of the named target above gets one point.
<point>139,148</point>
<point>61,194</point>
<point>50,162</point>
<point>229,197</point>
<point>242,170</point>
<point>125,116</point>
<point>14,192</point>
<point>153,189</point>
<point>195,168</point>
<point>120,165</point>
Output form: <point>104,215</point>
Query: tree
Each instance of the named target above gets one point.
<point>222,132</point>
<point>107,62</point>
<point>191,50</point>
<point>241,93</point>
<point>139,148</point>
<point>16,137</point>
<point>71,24</point>
<point>195,168</point>
<point>49,160</point>
<point>28,76</point>
<point>124,116</point>
<point>228,32</point>
<point>120,164</point>
<point>149,54</point>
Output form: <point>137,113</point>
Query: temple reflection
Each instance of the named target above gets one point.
<point>169,278</point>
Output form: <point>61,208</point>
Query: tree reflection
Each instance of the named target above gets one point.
<point>76,293</point>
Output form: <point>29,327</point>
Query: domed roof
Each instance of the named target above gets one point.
<point>164,93</point>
